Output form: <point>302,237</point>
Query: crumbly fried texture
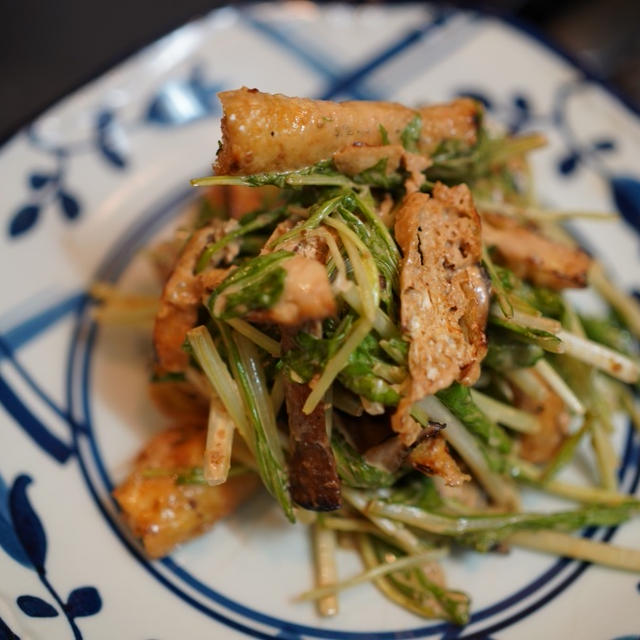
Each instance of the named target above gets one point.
<point>164,514</point>
<point>357,158</point>
<point>263,132</point>
<point>182,296</point>
<point>307,293</point>
<point>444,295</point>
<point>183,289</point>
<point>179,400</point>
<point>533,257</point>
<point>432,457</point>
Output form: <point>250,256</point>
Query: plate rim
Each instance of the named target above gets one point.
<point>523,26</point>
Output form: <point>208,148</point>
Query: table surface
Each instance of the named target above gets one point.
<point>47,49</point>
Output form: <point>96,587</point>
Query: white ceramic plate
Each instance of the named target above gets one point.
<point>92,180</point>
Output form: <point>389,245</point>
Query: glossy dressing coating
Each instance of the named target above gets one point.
<point>263,132</point>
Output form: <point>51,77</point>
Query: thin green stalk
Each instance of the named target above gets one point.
<point>359,331</point>
<point>249,376</point>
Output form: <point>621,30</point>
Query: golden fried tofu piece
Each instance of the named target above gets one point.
<point>431,457</point>
<point>182,296</point>
<point>238,200</point>
<point>164,513</point>
<point>532,256</point>
<point>444,295</point>
<point>263,132</point>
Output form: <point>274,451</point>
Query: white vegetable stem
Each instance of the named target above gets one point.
<point>505,414</point>
<point>396,531</point>
<point>217,452</point>
<point>527,381</point>
<point>271,346</point>
<point>599,356</point>
<point>535,213</point>
<point>358,333</point>
<point>324,552</point>
<point>554,380</point>
<point>407,562</point>
<point>381,323</point>
<point>218,375</point>
<point>363,265</point>
<point>563,544</point>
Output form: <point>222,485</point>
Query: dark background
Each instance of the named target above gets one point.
<point>50,47</point>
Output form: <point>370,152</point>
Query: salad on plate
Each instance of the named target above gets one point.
<point>371,317</point>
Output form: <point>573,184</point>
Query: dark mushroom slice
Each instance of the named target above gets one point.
<point>314,481</point>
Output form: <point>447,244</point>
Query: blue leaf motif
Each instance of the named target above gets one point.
<point>38,180</point>
<point>181,101</point>
<point>26,523</point>
<point>106,139</point>
<point>568,164</point>
<point>626,194</point>
<point>604,144</point>
<point>84,601</point>
<point>110,153</point>
<point>104,119</point>
<point>36,607</point>
<point>521,113</point>
<point>8,540</point>
<point>69,204</point>
<point>6,633</point>
<point>205,91</point>
<point>24,219</point>
<point>521,103</point>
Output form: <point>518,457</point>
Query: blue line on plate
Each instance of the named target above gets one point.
<point>28,379</point>
<point>318,61</point>
<point>41,321</point>
<point>347,82</point>
<point>32,425</point>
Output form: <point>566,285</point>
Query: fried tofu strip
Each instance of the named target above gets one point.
<point>263,132</point>
<point>307,291</point>
<point>306,295</point>
<point>532,256</point>
<point>183,289</point>
<point>444,295</point>
<point>238,200</point>
<point>182,297</point>
<point>163,513</point>
<point>431,457</point>
<point>179,400</point>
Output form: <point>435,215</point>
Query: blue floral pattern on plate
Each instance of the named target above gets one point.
<point>23,537</point>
